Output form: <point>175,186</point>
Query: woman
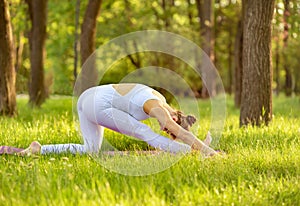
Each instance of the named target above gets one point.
<point>121,107</point>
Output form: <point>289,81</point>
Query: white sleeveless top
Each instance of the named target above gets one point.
<point>133,102</point>
<point>105,97</point>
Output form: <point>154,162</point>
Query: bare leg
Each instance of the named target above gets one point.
<point>34,148</point>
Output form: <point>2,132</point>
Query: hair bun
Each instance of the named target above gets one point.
<point>191,119</point>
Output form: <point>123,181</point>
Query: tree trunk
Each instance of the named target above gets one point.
<point>256,102</point>
<point>238,59</point>
<point>206,24</point>
<point>7,70</point>
<point>88,29</point>
<point>286,65</point>
<point>76,48</point>
<point>89,74</point>
<point>19,51</point>
<point>277,73</point>
<point>199,4</point>
<point>166,14</point>
<point>297,83</point>
<point>189,12</point>
<point>37,38</point>
<point>230,69</point>
<point>134,58</point>
<point>277,55</point>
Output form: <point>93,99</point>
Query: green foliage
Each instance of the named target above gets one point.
<point>122,16</point>
<point>262,165</point>
<point>59,46</point>
<point>20,27</point>
<point>292,44</point>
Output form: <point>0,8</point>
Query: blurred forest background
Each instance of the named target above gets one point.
<point>119,17</point>
<point>74,28</point>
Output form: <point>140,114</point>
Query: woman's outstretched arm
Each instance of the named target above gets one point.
<point>157,110</point>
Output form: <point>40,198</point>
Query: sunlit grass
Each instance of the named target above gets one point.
<point>262,165</point>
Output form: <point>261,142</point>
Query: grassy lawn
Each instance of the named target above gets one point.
<point>262,165</point>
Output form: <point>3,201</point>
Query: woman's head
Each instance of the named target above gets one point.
<point>185,121</point>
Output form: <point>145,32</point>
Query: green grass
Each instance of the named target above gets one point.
<point>262,165</point>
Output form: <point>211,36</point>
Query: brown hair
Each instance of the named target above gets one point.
<point>185,121</point>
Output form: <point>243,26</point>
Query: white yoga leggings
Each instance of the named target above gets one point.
<point>92,124</point>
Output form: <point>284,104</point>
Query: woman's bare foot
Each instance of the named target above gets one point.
<point>34,148</point>
<point>208,139</point>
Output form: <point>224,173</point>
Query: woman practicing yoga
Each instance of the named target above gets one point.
<point>121,107</point>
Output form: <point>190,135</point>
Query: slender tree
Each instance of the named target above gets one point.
<point>256,102</point>
<point>88,29</point>
<point>166,17</point>
<point>230,62</point>
<point>277,52</point>
<point>76,48</point>
<point>88,75</point>
<point>7,70</point>
<point>238,59</point>
<point>286,65</point>
<point>205,14</point>
<point>37,38</point>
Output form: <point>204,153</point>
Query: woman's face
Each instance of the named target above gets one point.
<point>174,116</point>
